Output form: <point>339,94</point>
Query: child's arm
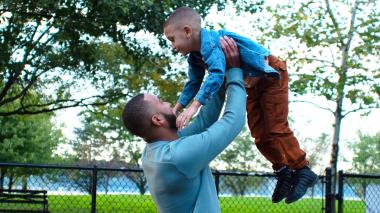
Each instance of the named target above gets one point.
<point>196,73</point>
<point>215,59</point>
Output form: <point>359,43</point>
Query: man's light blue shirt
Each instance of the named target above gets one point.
<point>177,172</point>
<point>211,57</point>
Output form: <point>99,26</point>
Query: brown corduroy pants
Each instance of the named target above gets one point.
<point>267,113</point>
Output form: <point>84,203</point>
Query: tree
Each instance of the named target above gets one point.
<point>242,156</point>
<point>26,139</point>
<point>334,47</point>
<point>316,149</point>
<point>366,157</point>
<point>54,45</point>
<point>103,137</point>
<point>366,160</point>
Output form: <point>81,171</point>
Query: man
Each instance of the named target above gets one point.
<point>175,163</point>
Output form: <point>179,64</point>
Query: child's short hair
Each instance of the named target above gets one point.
<point>184,15</point>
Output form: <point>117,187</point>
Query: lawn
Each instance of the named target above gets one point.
<point>144,204</point>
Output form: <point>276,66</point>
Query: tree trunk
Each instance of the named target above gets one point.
<point>340,96</point>
<point>11,180</point>
<point>336,136</point>
<point>24,182</point>
<point>141,185</point>
<point>107,179</point>
<point>3,171</point>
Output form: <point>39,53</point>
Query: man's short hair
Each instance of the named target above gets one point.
<point>135,115</point>
<point>182,15</point>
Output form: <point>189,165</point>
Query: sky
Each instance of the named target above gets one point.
<point>307,121</point>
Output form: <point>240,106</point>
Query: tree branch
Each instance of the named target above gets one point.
<point>360,109</point>
<point>25,109</point>
<point>316,59</point>
<point>308,102</point>
<point>24,13</point>
<point>302,74</point>
<point>23,91</point>
<point>352,26</point>
<point>336,27</point>
<point>12,79</point>
<point>332,56</point>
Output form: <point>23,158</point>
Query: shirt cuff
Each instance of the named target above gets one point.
<point>201,98</point>
<point>183,100</point>
<point>234,74</point>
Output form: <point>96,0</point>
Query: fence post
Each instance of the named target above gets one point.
<point>329,199</point>
<point>340,192</point>
<point>217,181</point>
<point>93,188</point>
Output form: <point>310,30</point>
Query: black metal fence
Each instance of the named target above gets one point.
<point>359,193</point>
<point>49,188</point>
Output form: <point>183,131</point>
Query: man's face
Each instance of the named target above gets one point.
<point>163,108</point>
<point>178,38</point>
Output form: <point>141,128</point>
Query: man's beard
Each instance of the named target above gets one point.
<point>172,119</point>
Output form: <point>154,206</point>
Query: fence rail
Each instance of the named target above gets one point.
<point>361,187</point>
<point>101,189</point>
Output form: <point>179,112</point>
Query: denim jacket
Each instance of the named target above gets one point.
<point>211,57</point>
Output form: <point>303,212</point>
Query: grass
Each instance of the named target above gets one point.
<point>144,204</point>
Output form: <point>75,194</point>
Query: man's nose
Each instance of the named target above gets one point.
<point>168,104</point>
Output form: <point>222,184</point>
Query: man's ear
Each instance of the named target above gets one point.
<point>157,120</point>
<point>188,31</point>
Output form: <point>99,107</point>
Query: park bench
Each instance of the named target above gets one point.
<point>20,197</point>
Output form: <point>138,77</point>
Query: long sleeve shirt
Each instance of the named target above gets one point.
<point>211,57</point>
<point>177,172</point>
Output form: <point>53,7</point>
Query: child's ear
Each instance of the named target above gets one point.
<point>188,31</point>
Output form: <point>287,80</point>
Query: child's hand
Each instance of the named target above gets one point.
<point>177,108</point>
<point>184,118</point>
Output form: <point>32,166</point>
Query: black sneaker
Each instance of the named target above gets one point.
<point>284,182</point>
<point>302,179</point>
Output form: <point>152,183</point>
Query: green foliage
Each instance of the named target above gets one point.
<point>28,139</point>
<point>333,46</point>
<point>341,57</point>
<point>103,137</point>
<point>129,72</point>
<point>316,149</point>
<point>242,155</point>
<point>53,47</point>
<point>366,157</point>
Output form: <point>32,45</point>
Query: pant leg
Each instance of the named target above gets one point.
<point>269,148</point>
<point>267,111</point>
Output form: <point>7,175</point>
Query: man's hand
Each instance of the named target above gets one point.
<point>184,118</point>
<point>231,52</point>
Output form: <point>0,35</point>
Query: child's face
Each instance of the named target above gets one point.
<point>180,39</point>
